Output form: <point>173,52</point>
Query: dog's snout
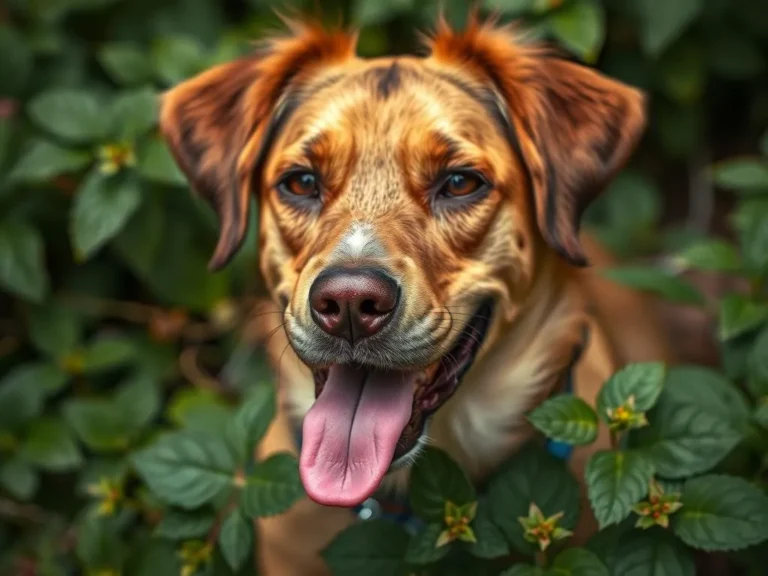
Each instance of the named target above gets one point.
<point>353,303</point>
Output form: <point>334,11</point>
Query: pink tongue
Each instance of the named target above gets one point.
<point>351,432</point>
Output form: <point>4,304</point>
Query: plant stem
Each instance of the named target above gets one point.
<point>615,440</point>
<point>541,559</point>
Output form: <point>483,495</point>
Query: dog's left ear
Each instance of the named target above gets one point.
<point>573,127</point>
<point>219,124</point>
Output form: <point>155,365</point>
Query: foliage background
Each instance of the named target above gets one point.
<point>113,331</point>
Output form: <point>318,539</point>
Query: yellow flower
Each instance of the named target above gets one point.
<point>110,494</point>
<point>115,156</point>
<point>194,554</point>
<point>656,510</point>
<point>625,417</point>
<point>457,522</point>
<point>540,530</point>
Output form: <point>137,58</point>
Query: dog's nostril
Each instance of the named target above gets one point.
<point>330,307</point>
<point>370,307</point>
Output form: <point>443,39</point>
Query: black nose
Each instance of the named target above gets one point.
<point>353,303</point>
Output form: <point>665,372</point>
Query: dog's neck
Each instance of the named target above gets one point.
<point>483,423</point>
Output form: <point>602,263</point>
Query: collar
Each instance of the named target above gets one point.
<point>396,507</point>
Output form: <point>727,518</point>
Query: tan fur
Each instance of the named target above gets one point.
<point>545,133</point>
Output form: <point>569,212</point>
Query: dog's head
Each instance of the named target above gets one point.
<point>404,203</point>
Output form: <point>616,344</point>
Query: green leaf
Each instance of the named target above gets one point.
<point>134,113</point>
<point>272,487</point>
<point>627,212</point>
<point>580,25</point>
<point>373,548</point>
<point>436,479</point>
<point>176,58</point>
<point>577,562</point>
<point>742,174</point>
<point>760,415</point>
<point>490,540</point>
<point>236,539</point>
<point>604,543</point>
<point>16,61</point>
<point>22,261</point>
<point>21,399</point>
<point>654,552</point>
<point>682,72</point>
<point>566,418</point>
<point>41,161</point>
<point>734,55</point>
<point>102,207</point>
<point>757,365</point>
<point>368,12</point>
<point>99,543</point>
<point>510,7</point>
<point>74,115</point>
<point>7,131</point>
<point>423,549</point>
<point>656,281</point>
<point>709,391</point>
<point>186,469</point>
<point>754,243</point>
<point>138,401</point>
<point>710,254</point>
<point>154,557</point>
<point>721,513</point>
<point>156,164</point>
<point>682,440</point>
<point>106,353</point>
<point>181,525</point>
<point>49,445</point>
<point>662,23</point>
<point>524,570</point>
<point>54,329</point>
<point>198,409</point>
<point>36,378</point>
<point>615,482</point>
<point>252,420</point>
<point>533,475</point>
<point>19,479</point>
<point>126,63</point>
<point>98,423</point>
<point>739,314</point>
<point>642,381</point>
<point>699,419</point>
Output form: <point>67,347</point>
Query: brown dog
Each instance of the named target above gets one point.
<point>419,232</point>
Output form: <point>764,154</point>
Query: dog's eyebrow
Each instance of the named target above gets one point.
<point>444,147</point>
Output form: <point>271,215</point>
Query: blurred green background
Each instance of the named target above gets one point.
<point>111,327</point>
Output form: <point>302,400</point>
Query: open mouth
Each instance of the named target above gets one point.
<point>365,418</point>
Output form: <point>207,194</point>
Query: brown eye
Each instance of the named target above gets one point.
<point>462,184</point>
<point>299,184</point>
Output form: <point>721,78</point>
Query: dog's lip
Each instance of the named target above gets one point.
<point>446,376</point>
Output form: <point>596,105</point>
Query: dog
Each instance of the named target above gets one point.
<point>419,238</point>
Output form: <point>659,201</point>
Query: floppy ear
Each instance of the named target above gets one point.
<point>573,127</point>
<point>219,124</point>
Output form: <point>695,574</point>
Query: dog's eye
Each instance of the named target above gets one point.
<point>462,184</point>
<point>299,184</point>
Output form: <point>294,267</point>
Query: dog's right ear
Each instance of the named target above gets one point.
<point>219,124</point>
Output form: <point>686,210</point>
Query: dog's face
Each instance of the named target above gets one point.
<point>404,207</point>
